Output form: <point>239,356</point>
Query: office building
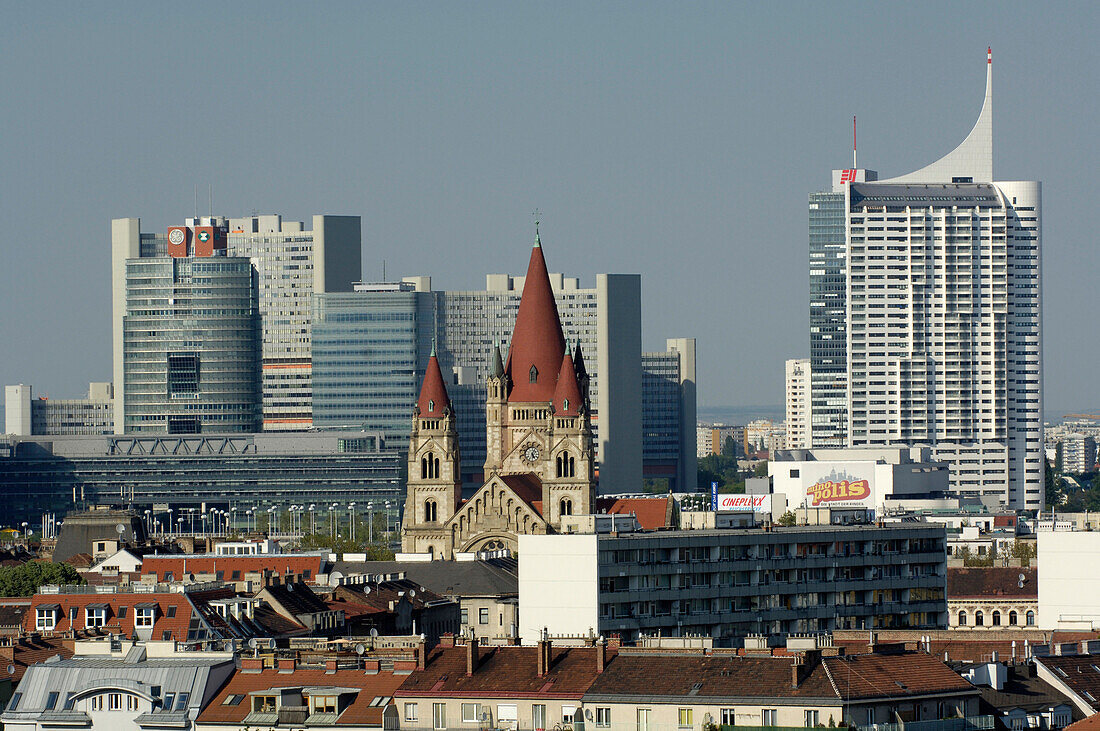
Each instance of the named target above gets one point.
<point>25,415</point>
<point>668,413</point>
<point>730,583</point>
<point>231,471</point>
<point>292,263</point>
<point>191,346</point>
<point>945,310</point>
<point>366,368</point>
<point>1078,453</point>
<point>797,388</point>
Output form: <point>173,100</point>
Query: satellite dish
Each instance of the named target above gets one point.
<point>373,632</point>
<point>588,713</point>
<point>412,592</point>
<point>366,590</point>
<point>253,643</point>
<point>360,649</point>
<point>11,670</point>
<point>120,528</point>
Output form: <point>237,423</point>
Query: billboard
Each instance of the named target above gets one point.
<point>178,239</point>
<point>842,486</point>
<point>744,503</point>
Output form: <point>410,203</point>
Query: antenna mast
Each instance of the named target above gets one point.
<point>854,165</point>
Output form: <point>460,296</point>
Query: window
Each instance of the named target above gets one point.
<point>73,612</point>
<point>131,702</point>
<point>412,712</point>
<point>114,701</point>
<point>143,617</point>
<point>95,617</point>
<point>566,506</point>
<point>962,619</point>
<point>1029,618</point>
<point>603,718</point>
<point>728,717</point>
<point>483,615</point>
<point>568,713</point>
<point>996,619</point>
<point>439,715</point>
<point>13,704</point>
<point>429,511</point>
<point>643,719</point>
<point>464,615</point>
<point>51,700</point>
<point>45,618</point>
<point>70,701</point>
<point>323,703</point>
<point>1013,618</point>
<point>166,635</point>
<point>811,719</point>
<point>97,703</point>
<point>169,698</point>
<point>471,712</point>
<point>769,717</point>
<point>183,374</point>
<point>538,716</point>
<point>122,612</point>
<point>234,699</point>
<point>260,703</point>
<point>507,715</point>
<point>533,374</point>
<point>684,718</point>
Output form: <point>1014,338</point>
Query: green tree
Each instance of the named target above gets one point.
<point>25,579</point>
<point>787,519</point>
<point>761,470</point>
<point>729,447</point>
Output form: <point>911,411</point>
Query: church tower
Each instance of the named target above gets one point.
<point>434,477</point>
<point>538,417</point>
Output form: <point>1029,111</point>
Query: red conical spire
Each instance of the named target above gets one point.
<point>534,357</point>
<point>567,394</point>
<point>433,399</point>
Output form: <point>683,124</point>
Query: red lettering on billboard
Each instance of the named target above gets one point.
<point>847,176</point>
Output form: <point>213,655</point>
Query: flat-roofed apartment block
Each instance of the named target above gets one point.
<point>26,416</point>
<point>944,319</point>
<point>731,583</point>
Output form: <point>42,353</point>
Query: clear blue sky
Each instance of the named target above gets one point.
<point>678,140</point>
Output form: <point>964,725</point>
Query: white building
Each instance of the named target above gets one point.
<point>1069,585</point>
<point>869,478</point>
<point>27,416</point>
<point>944,318</point>
<point>1078,453</point>
<point>797,384</point>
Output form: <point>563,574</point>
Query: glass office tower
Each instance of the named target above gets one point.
<point>828,333</point>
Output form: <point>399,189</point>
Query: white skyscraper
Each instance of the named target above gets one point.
<point>944,337</point>
<point>797,387</point>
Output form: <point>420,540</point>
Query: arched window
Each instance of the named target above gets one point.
<point>566,506</point>
<point>962,619</point>
<point>1013,618</point>
<point>431,405</point>
<point>429,511</point>
<point>423,468</point>
<point>996,619</point>
<point>557,466</point>
<point>534,374</point>
<point>1030,618</point>
<point>979,619</point>
<point>572,466</point>
<point>435,468</point>
<point>565,404</point>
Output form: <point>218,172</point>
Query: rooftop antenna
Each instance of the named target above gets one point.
<point>537,214</point>
<point>854,165</point>
<point>383,270</point>
<point>211,201</point>
<point>196,200</point>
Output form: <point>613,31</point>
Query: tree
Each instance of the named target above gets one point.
<point>761,470</point>
<point>25,579</point>
<point>729,447</point>
<point>787,519</point>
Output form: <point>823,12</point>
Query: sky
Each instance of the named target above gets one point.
<point>678,140</point>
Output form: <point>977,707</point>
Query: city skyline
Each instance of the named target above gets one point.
<point>710,124</point>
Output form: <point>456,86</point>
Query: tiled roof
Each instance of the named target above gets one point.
<point>12,611</point>
<point>504,672</point>
<point>1092,723</point>
<point>717,676</point>
<point>296,597</point>
<point>491,577</point>
<point>1028,693</point>
<point>876,676</point>
<point>537,340</point>
<point>179,566</point>
<point>360,712</point>
<point>527,487</point>
<point>991,583</point>
<point>651,512</point>
<point>27,651</point>
<point>433,399</point>
<point>1080,673</point>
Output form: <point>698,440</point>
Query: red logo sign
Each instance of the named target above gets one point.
<point>828,491</point>
<point>847,176</point>
<point>204,241</point>
<point>178,237</point>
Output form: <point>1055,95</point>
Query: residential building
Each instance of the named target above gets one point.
<point>1019,699</point>
<point>291,264</point>
<point>119,684</point>
<point>394,606</point>
<point>994,597</point>
<point>668,689</point>
<point>757,432</point>
<point>499,686</point>
<point>1078,453</point>
<point>797,387</point>
<point>246,474</point>
<point>1069,588</point>
<point>1074,675</point>
<point>711,439</point>
<point>944,300</point>
<point>295,602</point>
<point>25,415</point>
<point>668,413</point>
<point>730,583</point>
<point>299,692</point>
<point>200,567</point>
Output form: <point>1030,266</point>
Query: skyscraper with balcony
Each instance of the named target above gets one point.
<point>944,317</point>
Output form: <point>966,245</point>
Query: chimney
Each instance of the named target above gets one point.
<point>471,656</point>
<point>601,654</point>
<point>331,665</point>
<point>544,654</point>
<point>447,639</point>
<point>286,664</point>
<point>794,671</point>
<point>421,655</point>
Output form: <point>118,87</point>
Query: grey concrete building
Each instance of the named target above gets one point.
<point>25,415</point>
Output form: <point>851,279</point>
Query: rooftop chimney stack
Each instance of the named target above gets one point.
<point>471,656</point>
<point>544,654</point>
<point>601,654</point>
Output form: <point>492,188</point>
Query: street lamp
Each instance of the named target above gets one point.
<point>351,521</point>
<point>179,526</point>
<point>169,521</point>
<point>312,519</point>
<point>370,522</point>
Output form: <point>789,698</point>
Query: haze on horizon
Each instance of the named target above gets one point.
<point>679,141</point>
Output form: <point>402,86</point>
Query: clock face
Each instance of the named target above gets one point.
<point>531,453</point>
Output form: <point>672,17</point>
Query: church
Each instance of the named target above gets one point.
<point>539,464</point>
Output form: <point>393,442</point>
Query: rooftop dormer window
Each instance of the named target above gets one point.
<point>431,405</point>
<point>534,373</point>
<point>263,704</point>
<point>45,618</point>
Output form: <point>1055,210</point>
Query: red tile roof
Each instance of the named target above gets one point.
<point>1080,673</point>
<point>280,563</point>
<point>177,605</point>
<point>878,676</point>
<point>360,712</point>
<point>504,672</point>
<point>992,582</point>
<point>26,651</point>
<point>567,394</point>
<point>433,399</point>
<point>527,487</point>
<point>651,512</point>
<point>1091,723</point>
<point>537,339</point>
